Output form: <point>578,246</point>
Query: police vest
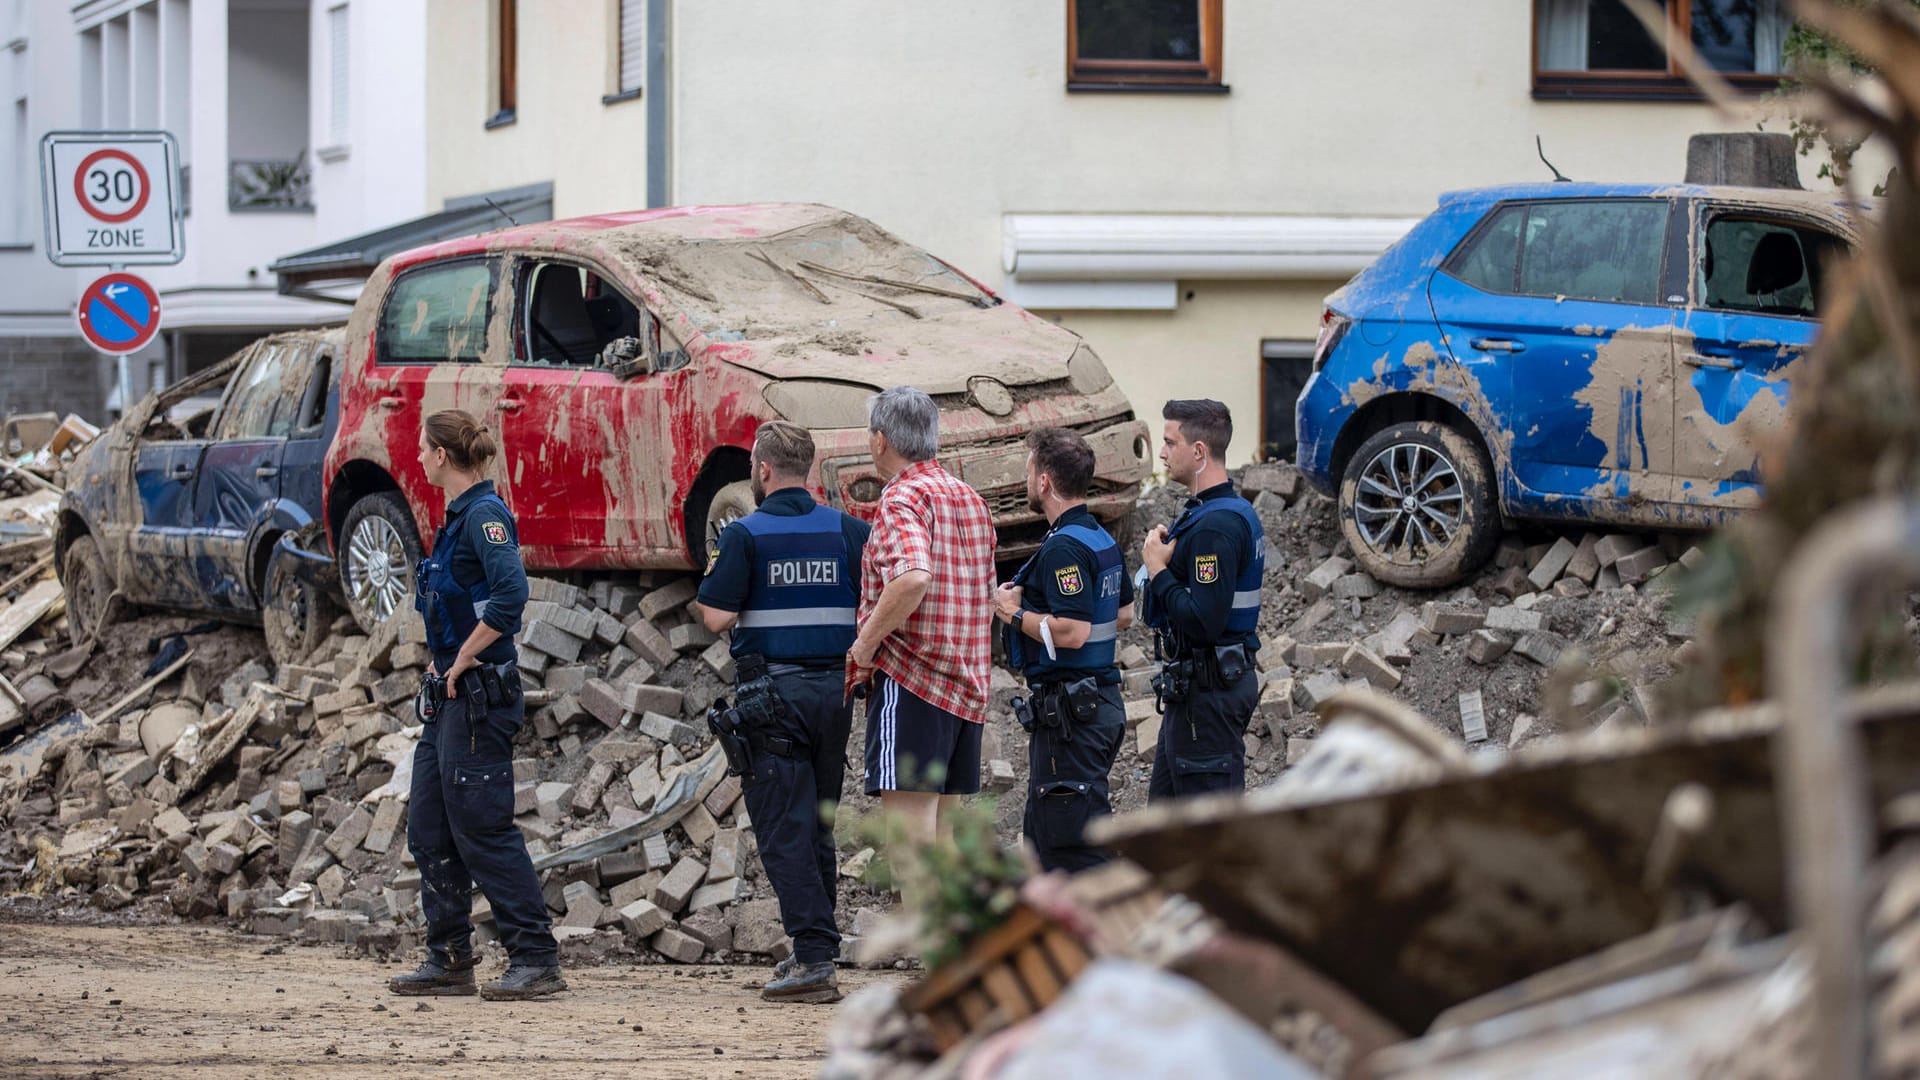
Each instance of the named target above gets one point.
<point>1245,616</point>
<point>451,610</point>
<point>1029,657</point>
<point>801,603</point>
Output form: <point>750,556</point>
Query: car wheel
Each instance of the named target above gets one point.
<point>379,549</point>
<point>295,613</point>
<point>92,600</point>
<point>1417,505</point>
<point>730,504</point>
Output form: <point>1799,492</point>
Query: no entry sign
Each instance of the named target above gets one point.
<point>111,197</point>
<point>119,313</point>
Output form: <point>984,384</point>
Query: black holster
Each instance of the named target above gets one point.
<point>730,731</point>
<point>746,726</point>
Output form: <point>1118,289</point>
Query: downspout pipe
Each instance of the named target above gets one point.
<point>1829,819</point>
<point>659,103</point>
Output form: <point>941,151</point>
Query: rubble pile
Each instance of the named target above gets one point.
<point>277,799</point>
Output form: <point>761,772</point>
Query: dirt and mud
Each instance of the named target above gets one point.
<point>166,1001</point>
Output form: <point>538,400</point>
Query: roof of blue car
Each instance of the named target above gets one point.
<point>1588,190</point>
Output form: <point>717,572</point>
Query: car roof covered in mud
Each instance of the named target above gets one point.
<point>662,227</point>
<point>1825,203</point>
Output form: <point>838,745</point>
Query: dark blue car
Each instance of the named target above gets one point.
<point>1585,352</point>
<point>194,500</point>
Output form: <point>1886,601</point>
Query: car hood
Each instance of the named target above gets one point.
<point>938,355</point>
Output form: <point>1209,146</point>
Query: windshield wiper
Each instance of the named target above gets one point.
<point>912,286</point>
<point>796,278</point>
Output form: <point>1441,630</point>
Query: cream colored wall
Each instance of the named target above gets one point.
<point>595,154</point>
<point>1209,347</point>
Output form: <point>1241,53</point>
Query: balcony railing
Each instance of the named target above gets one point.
<point>270,185</point>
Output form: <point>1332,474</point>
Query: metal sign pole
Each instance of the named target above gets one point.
<point>123,367</point>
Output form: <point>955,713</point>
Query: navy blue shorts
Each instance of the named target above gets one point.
<point>913,745</point>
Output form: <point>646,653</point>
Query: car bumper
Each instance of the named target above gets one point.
<point>1318,416</point>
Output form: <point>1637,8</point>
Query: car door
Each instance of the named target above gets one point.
<point>1756,283</point>
<point>239,476</point>
<point>315,418</point>
<point>1559,310</point>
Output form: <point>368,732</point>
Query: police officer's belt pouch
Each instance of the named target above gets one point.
<point>1083,697</point>
<point>1230,663</point>
<point>730,732</point>
<point>1023,712</point>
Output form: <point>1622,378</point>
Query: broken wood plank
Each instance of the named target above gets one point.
<point>225,741</point>
<point>144,688</point>
<point>32,477</point>
<point>40,566</point>
<point>29,610</point>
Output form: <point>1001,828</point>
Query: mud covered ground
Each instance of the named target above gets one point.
<point>114,1000</point>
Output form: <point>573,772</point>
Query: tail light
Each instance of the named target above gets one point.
<point>1333,326</point>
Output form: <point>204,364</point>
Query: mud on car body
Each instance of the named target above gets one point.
<point>1584,352</point>
<point>201,513</point>
<point>626,361</point>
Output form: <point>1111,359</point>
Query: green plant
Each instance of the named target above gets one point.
<point>1806,53</point>
<point>958,886</point>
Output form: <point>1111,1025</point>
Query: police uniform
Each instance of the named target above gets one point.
<point>791,570</point>
<point>1205,613</point>
<point>460,813</point>
<point>1077,714</point>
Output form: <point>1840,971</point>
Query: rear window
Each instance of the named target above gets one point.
<point>1576,250</point>
<point>438,314</point>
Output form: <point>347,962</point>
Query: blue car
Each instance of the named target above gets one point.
<point>1597,353</point>
<point>195,501</point>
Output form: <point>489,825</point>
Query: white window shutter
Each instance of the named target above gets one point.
<point>339,96</point>
<point>633,60</point>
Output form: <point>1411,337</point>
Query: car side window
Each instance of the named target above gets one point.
<point>256,394</point>
<point>1768,267</point>
<point>438,314</point>
<point>574,317</point>
<point>1491,256</point>
<point>1594,250</point>
<point>312,414</point>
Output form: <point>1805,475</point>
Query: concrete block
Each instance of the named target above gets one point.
<point>1515,620</point>
<point>1473,717</point>
<point>1636,567</point>
<point>567,678</point>
<point>599,698</point>
<point>1441,618</point>
<point>1552,564</point>
<point>1356,587</point>
<point>642,919</point>
<point>552,799</point>
<point>607,629</point>
<point>667,598</point>
<point>690,637</point>
<point>1361,662</point>
<point>1486,646</point>
<point>1317,584</point>
<point>679,884</point>
<point>546,638</point>
<point>648,643</point>
<point>678,945</point>
<point>552,591</point>
<point>1616,546</point>
<point>1541,646</point>
<point>645,698</point>
<point>666,729</point>
<point>719,659</point>
<point>350,833</point>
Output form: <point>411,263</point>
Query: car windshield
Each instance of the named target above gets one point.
<point>771,286</point>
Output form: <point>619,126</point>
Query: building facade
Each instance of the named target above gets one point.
<point>296,120</point>
<point>1181,184</point>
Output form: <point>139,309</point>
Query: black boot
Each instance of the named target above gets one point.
<point>525,981</point>
<point>812,984</point>
<point>449,976</point>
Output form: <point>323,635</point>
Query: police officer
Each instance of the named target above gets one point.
<point>460,828</point>
<point>785,580</point>
<point>1063,611</point>
<point>1203,603</point>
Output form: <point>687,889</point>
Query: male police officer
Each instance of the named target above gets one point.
<point>785,579</point>
<point>1063,611</point>
<point>1203,603</point>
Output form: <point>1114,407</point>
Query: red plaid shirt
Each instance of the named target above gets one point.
<point>929,520</point>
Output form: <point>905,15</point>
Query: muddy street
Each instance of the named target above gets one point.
<point>146,1001</point>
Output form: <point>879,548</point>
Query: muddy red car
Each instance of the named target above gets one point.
<point>627,359</point>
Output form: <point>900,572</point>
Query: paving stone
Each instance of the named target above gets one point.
<point>525,801</point>
<point>1363,663</point>
<point>723,796</point>
<point>667,598</point>
<point>725,858</point>
<point>644,782</point>
<point>1551,565</point>
<point>1585,564</point>
<point>1614,547</point>
<point>1316,584</point>
<point>1356,587</point>
<point>1640,565</point>
<point>350,833</point>
<point>1473,716</point>
<point>1442,618</point>
<point>1511,552</point>
<point>1486,646</point>
<point>690,637</point>
<point>645,698</point>
<point>657,851</point>
<point>1319,654</point>
<point>665,728</point>
<point>335,702</point>
<point>545,638</point>
<point>1691,557</point>
<point>1515,620</point>
<point>716,895</point>
<point>1541,646</point>
<point>642,919</point>
<point>552,591</point>
<point>552,799</point>
<point>648,643</point>
<point>756,927</point>
<point>622,750</point>
<point>601,701</point>
<point>699,826</point>
<point>587,792</point>
<point>171,822</point>
<point>678,945</point>
<point>567,678</point>
<point>1000,775</point>
<point>1317,688</point>
<point>607,629</point>
<point>1512,582</point>
<point>275,921</point>
<point>387,819</point>
<point>674,889</point>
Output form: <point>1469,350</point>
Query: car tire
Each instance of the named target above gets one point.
<point>730,504</point>
<point>295,613</point>
<point>1412,534</point>
<point>92,600</point>
<point>379,550</point>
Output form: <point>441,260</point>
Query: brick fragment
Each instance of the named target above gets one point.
<point>1443,618</point>
<point>1486,646</point>
<point>1361,662</point>
<point>1548,570</point>
<point>1515,620</point>
<point>1541,646</point>
<point>1640,565</point>
<point>1317,583</point>
<point>674,889</point>
<point>1614,547</point>
<point>642,919</point>
<point>667,598</point>
<point>1473,716</point>
<point>678,945</point>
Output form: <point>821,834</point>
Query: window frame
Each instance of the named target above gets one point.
<point>1624,85</point>
<point>1205,75</point>
<point>506,69</point>
<point>1709,212</point>
<point>268,352</point>
<point>1665,288</point>
<point>382,354</point>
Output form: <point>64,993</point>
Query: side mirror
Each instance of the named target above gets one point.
<point>626,357</point>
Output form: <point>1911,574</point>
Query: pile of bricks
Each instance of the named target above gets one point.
<point>279,800</point>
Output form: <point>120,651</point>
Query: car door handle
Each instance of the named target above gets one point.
<point>512,404</point>
<point>391,401</point>
<point>1506,345</point>
<point>267,472</point>
<point>180,472</point>
<point>1723,363</point>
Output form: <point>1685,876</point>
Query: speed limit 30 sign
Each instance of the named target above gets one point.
<point>112,197</point>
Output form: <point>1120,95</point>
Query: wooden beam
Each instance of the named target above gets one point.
<point>28,610</point>
<point>137,692</point>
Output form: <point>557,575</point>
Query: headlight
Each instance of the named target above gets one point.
<point>1085,373</point>
<point>816,404</point>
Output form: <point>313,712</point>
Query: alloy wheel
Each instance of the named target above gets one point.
<point>1408,504</point>
<point>378,577</point>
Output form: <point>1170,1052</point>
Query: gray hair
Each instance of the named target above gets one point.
<point>909,419</point>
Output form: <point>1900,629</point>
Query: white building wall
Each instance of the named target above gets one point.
<point>376,176</point>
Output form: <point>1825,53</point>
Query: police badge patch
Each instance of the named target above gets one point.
<point>1206,569</point>
<point>496,532</point>
<point>1069,581</point>
<point>713,553</point>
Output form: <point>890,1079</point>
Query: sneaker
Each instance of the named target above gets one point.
<point>525,981</point>
<point>810,984</point>
<point>452,977</point>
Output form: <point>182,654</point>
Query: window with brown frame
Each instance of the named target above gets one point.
<point>506,93</point>
<point>1144,45</point>
<point>1597,49</point>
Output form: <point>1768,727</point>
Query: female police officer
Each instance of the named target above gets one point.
<point>460,819</point>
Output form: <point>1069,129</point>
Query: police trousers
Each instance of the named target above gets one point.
<point>1202,744</point>
<point>461,832</point>
<point>792,795</point>
<point>1067,771</point>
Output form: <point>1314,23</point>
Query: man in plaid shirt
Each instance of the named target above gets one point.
<point>925,619</point>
